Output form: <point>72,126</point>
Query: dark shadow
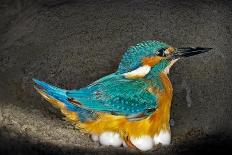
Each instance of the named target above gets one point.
<point>16,144</point>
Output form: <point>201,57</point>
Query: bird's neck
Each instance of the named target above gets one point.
<point>157,69</point>
<point>160,118</point>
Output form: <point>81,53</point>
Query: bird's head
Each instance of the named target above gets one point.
<point>154,57</point>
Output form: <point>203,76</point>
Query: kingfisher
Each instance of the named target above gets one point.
<point>130,107</point>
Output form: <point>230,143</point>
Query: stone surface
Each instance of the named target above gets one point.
<point>72,43</point>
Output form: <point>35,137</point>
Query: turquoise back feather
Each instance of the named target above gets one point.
<point>116,94</point>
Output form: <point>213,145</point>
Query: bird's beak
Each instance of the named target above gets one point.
<point>189,51</point>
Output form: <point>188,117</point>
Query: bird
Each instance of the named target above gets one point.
<point>129,107</point>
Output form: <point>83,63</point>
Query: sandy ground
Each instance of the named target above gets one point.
<point>72,43</point>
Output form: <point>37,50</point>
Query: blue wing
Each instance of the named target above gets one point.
<point>54,94</point>
<point>117,95</point>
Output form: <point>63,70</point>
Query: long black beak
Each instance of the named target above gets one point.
<point>189,51</point>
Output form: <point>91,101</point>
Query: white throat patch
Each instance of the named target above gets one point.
<point>167,69</point>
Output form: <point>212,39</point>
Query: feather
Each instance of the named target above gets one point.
<point>116,95</point>
<point>58,97</point>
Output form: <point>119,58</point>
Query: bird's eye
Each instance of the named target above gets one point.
<point>162,52</point>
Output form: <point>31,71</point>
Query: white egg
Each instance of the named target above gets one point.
<point>164,138</point>
<point>110,138</point>
<point>143,143</point>
<point>94,137</point>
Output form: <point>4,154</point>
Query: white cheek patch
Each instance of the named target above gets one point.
<point>164,138</point>
<point>143,143</point>
<point>139,72</point>
<point>110,138</point>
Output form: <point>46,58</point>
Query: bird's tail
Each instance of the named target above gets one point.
<point>59,99</point>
